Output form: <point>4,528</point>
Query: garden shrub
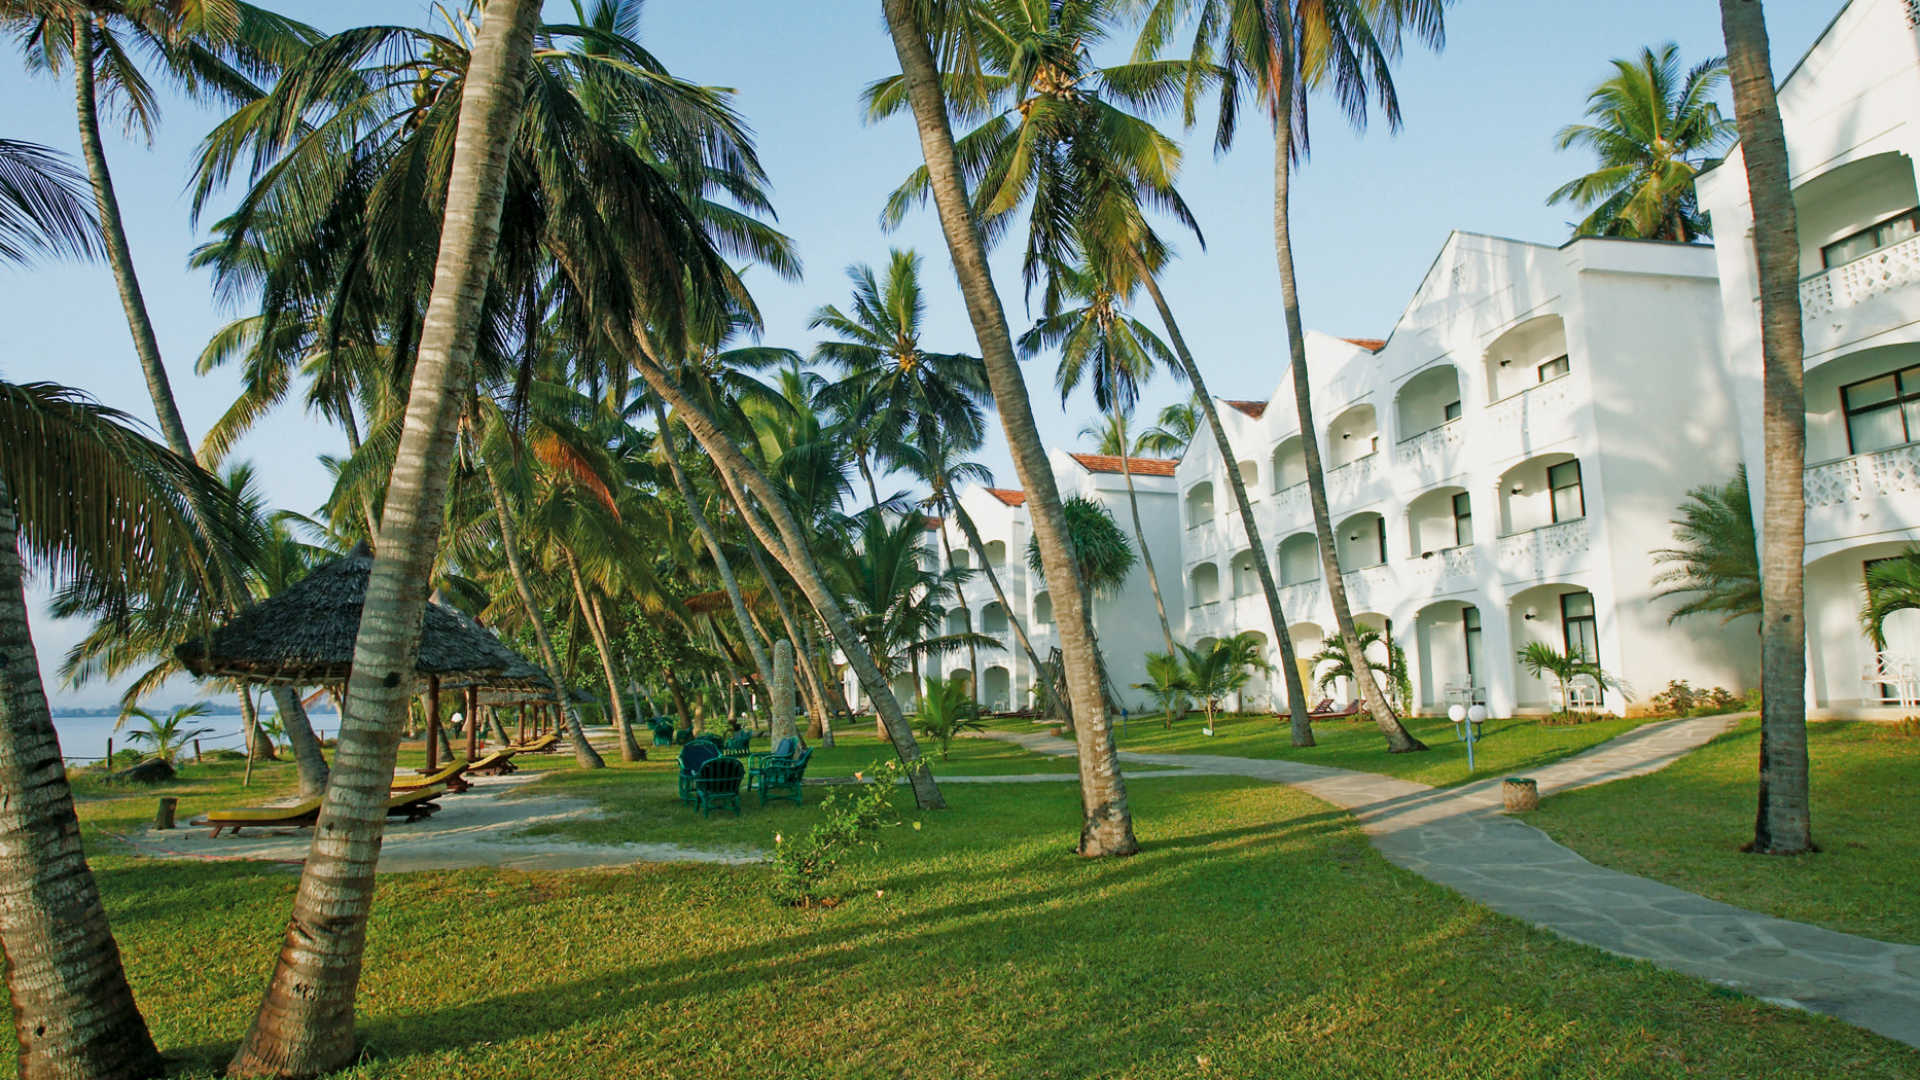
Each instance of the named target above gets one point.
<point>850,817</point>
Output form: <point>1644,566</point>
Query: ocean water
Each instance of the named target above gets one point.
<point>83,739</point>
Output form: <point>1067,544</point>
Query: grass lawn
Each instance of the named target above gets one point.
<point>1505,746</point>
<point>1257,935</point>
<point>1684,825</point>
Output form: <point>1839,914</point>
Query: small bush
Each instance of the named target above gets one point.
<point>850,817</point>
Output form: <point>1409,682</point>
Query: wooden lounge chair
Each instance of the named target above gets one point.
<point>494,763</point>
<point>449,774</point>
<point>542,745</point>
<point>1327,711</point>
<point>406,806</point>
<point>717,786</point>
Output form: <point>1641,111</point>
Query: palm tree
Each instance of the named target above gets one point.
<point>1102,345</point>
<point>81,496</point>
<point>1540,658</point>
<point>1102,558</point>
<point>1714,569</point>
<point>212,52</point>
<point>1166,685</point>
<point>1107,825</point>
<point>168,734</point>
<point>1211,674</point>
<point>1653,130</point>
<point>1173,430</point>
<point>43,207</point>
<point>1332,664</point>
<point>1892,585</point>
<point>1279,53</point>
<point>896,603</point>
<point>1783,824</point>
<point>305,1024</point>
<point>946,709</point>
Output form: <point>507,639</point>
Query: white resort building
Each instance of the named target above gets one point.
<point>1849,109</point>
<point>1501,468</point>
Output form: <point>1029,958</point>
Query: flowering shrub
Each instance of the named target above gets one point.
<point>850,817</point>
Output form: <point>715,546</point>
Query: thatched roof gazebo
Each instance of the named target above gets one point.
<point>304,636</point>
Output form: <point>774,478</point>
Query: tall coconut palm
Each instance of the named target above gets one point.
<point>1279,53</point>
<point>1715,567</point>
<point>1653,128</point>
<point>1103,346</point>
<point>81,494</point>
<point>43,205</point>
<point>1173,429</point>
<point>1106,822</point>
<point>1783,824</point>
<point>305,1023</point>
<point>211,51</point>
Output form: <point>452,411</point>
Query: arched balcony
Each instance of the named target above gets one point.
<point>1043,608</point>
<point>1245,581</point>
<point>1353,435</point>
<point>1200,504</point>
<point>1427,401</point>
<point>1203,585</point>
<point>1531,353</point>
<point>1299,559</point>
<point>1541,491</point>
<point>993,618</point>
<point>1289,463</point>
<point>1361,541</point>
<point>996,554</point>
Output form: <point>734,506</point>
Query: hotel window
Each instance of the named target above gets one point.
<point>1871,239</point>
<point>1555,368</point>
<point>1380,535</point>
<point>1452,411</point>
<point>1883,411</point>
<point>1582,630</point>
<point>1462,520</point>
<point>1563,482</point>
<point>1470,619</point>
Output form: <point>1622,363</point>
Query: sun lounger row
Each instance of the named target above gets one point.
<point>405,806</point>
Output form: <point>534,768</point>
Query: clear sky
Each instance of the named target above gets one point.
<point>1370,212</point>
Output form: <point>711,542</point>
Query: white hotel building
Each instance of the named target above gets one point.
<point>1501,467</point>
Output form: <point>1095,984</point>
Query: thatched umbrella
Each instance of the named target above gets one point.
<point>304,634</point>
<point>521,684</point>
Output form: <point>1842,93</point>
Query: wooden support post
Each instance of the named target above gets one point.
<point>107,762</point>
<point>522,710</point>
<point>196,751</point>
<point>473,725</point>
<point>163,817</point>
<point>433,723</point>
<point>1520,794</point>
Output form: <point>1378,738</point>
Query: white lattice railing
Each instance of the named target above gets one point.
<point>1300,600</point>
<point>1369,585</point>
<point>1447,564</point>
<point>1530,554</point>
<point>1547,402</point>
<point>1345,483</point>
<point>1430,451</point>
<point>1290,503</point>
<point>1893,267</point>
<point>1864,476</point>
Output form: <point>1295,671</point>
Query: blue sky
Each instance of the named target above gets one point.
<point>1370,211</point>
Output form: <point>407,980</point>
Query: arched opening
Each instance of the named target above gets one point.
<point>993,618</point>
<point>1299,559</point>
<point>1439,519</point>
<point>1839,653</point>
<point>996,553</point>
<point>1199,504</point>
<point>904,690</point>
<point>956,621</point>
<point>1863,402</point>
<point>1541,491</point>
<point>1308,639</point>
<point>1250,475</point>
<point>1361,541</point>
<point>1203,584</point>
<point>1527,355</point>
<point>1289,463</point>
<point>997,688</point>
<point>963,676</point>
<point>1043,608</point>
<point>1257,694</point>
<point>1354,434</point>
<point>1427,401</point>
<point>1562,615</point>
<point>1855,210</point>
<point>962,559</point>
<point>1449,664</point>
<point>1245,581</point>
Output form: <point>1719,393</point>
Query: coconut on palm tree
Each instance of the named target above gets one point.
<point>1783,824</point>
<point>1653,129</point>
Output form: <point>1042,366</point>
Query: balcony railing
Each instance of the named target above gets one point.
<point>1290,503</point>
<point>1864,476</point>
<point>1344,484</point>
<point>1368,585</point>
<point>1300,599</point>
<point>1431,450</point>
<point>1549,549</point>
<point>1446,565</point>
<point>1893,267</point>
<point>1544,403</point>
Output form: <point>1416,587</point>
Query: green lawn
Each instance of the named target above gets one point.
<point>1684,825</point>
<point>1505,746</point>
<point>1257,935</point>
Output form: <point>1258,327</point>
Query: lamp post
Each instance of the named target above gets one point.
<point>1465,719</point>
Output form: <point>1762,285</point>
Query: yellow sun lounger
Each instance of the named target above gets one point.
<point>448,775</point>
<point>407,806</point>
<point>541,745</point>
<point>495,762</point>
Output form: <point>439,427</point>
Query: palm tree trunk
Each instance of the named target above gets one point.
<point>583,753</point>
<point>1146,555</point>
<point>73,1012</point>
<point>993,579</point>
<point>786,543</point>
<point>822,666</point>
<point>711,537</point>
<point>113,232</point>
<point>679,695</point>
<point>308,759</point>
<point>1399,739</point>
<point>629,750</point>
<point>1106,823</point>
<point>629,742</point>
<point>305,1023</point>
<point>1300,727</point>
<point>1783,823</point>
<point>866,473</point>
<point>258,746</point>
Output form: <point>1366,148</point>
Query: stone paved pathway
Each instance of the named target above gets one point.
<point>1459,837</point>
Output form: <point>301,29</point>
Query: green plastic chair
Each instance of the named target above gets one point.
<point>784,750</point>
<point>717,786</point>
<point>693,758</point>
<point>781,778</point>
<point>662,731</point>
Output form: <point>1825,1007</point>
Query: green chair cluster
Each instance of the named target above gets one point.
<point>779,774</point>
<point>711,775</point>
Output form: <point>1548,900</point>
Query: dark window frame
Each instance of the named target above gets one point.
<point>1459,517</point>
<point>1553,491</point>
<point>1911,214</point>
<point>1470,630</point>
<point>1898,402</point>
<point>1450,412</point>
<point>1565,360</point>
<point>1591,622</point>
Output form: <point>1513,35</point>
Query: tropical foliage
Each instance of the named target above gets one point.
<point>165,736</point>
<point>1714,566</point>
<point>1386,661</point>
<point>946,709</point>
<point>1542,660</point>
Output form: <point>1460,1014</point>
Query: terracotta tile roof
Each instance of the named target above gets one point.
<point>934,523</point>
<point>1255,409</point>
<point>1008,496</point>
<point>1371,344</point>
<point>1143,466</point>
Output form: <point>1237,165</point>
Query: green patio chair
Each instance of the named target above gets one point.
<point>781,778</point>
<point>692,759</point>
<point>717,786</point>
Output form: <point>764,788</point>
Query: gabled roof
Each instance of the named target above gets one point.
<point>1371,344</point>
<point>1008,496</point>
<point>1255,409</point>
<point>1108,463</point>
